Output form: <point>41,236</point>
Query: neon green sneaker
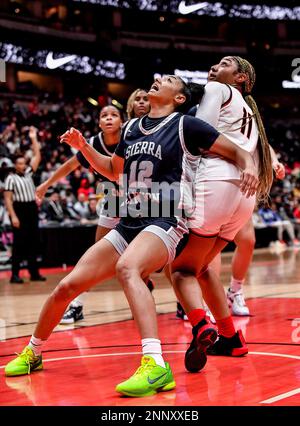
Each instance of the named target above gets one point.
<point>25,363</point>
<point>148,379</point>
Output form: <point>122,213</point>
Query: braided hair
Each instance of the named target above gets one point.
<point>265,163</point>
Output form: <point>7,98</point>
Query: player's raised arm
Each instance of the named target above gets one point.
<point>110,167</point>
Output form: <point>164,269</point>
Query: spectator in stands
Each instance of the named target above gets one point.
<point>54,209</point>
<point>271,217</point>
<point>91,216</point>
<point>75,180</point>
<point>257,220</point>
<point>70,215</point>
<point>297,218</point>
<point>47,172</point>
<point>297,212</point>
<point>85,188</point>
<point>296,190</point>
<point>81,206</point>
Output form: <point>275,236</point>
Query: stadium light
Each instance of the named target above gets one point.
<point>188,76</point>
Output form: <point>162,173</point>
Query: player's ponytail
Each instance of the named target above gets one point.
<point>265,171</point>
<point>265,161</point>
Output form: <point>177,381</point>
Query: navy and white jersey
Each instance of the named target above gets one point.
<point>109,190</point>
<point>98,144</point>
<point>161,159</point>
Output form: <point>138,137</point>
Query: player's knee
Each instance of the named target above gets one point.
<point>125,270</point>
<point>65,290</point>
<point>179,276</point>
<point>248,242</point>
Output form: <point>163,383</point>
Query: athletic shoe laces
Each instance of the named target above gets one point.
<point>28,356</point>
<point>143,369</point>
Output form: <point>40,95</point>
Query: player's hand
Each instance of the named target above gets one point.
<point>74,138</point>
<point>41,191</point>
<point>15,222</point>
<point>279,170</point>
<point>249,181</point>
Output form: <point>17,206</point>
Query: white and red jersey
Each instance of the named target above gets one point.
<point>224,107</point>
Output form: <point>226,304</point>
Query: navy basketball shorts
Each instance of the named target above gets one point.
<point>173,232</point>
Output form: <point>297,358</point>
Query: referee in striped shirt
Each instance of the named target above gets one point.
<point>20,202</point>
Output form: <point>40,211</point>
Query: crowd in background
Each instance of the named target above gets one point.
<point>74,199</point>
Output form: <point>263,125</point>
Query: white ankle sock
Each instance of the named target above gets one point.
<point>152,347</point>
<point>79,300</point>
<point>236,285</point>
<point>36,345</point>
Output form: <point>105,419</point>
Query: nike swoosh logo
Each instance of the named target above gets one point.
<point>185,9</point>
<point>52,63</point>
<point>155,380</point>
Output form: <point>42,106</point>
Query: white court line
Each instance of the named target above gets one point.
<point>267,401</point>
<point>279,397</point>
<point>274,354</point>
<point>101,355</point>
<point>166,352</point>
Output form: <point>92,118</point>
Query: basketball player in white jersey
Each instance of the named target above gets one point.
<point>220,212</point>
<point>217,97</point>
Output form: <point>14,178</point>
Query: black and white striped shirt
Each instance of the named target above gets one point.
<point>22,186</point>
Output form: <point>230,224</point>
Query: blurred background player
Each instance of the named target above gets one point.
<point>105,142</point>
<point>137,104</point>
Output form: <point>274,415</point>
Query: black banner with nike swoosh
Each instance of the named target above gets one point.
<point>214,9</point>
<point>46,59</point>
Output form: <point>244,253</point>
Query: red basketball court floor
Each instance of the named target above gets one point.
<point>82,366</point>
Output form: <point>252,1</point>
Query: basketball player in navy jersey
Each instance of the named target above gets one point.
<point>157,153</point>
<point>235,114</point>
